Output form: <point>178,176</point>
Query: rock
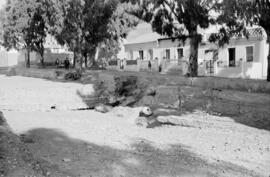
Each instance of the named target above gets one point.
<point>145,112</point>
<point>114,101</point>
<point>174,120</point>
<point>103,108</point>
<point>66,160</point>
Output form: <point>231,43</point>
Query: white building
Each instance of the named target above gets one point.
<point>52,51</point>
<point>241,58</point>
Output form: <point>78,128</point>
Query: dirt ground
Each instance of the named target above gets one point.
<point>66,142</point>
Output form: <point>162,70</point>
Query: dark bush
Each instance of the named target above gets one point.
<point>73,75</point>
<point>124,87</point>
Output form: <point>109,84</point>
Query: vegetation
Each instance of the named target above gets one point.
<point>27,24</point>
<point>84,26</point>
<point>180,20</point>
<point>91,25</point>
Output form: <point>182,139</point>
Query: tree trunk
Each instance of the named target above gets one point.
<point>27,62</point>
<point>193,58</point>
<point>268,58</point>
<point>42,59</point>
<point>81,61</point>
<point>74,59</point>
<point>77,58</point>
<point>85,59</point>
<point>268,66</point>
<point>93,57</point>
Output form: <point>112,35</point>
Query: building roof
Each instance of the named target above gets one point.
<point>143,34</point>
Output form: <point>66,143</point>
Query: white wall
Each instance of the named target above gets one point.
<point>8,58</point>
<point>265,61</point>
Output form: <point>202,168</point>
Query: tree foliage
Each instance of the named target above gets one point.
<point>91,24</point>
<point>179,19</point>
<point>27,24</point>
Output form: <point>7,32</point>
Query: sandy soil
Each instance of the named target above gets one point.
<point>228,148</point>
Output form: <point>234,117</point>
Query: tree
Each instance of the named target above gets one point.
<point>91,24</point>
<point>178,19</point>
<point>27,24</point>
<point>17,32</point>
<point>85,26</point>
<point>121,23</point>
<point>240,13</point>
<point>2,20</point>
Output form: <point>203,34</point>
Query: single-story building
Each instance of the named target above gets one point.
<point>241,58</point>
<point>52,51</point>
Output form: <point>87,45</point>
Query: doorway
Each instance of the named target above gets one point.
<point>232,62</point>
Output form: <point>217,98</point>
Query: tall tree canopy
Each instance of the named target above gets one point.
<point>2,19</point>
<point>90,23</point>
<point>121,23</point>
<point>237,14</point>
<point>27,24</point>
<point>179,19</point>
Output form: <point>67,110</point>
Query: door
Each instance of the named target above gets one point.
<point>180,53</point>
<point>232,57</point>
<point>141,54</point>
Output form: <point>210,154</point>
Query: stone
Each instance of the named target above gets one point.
<point>66,160</point>
<point>146,112</point>
<point>175,120</point>
<point>103,108</point>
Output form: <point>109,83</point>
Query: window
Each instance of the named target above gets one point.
<point>180,53</point>
<point>168,54</point>
<point>141,54</point>
<point>249,54</point>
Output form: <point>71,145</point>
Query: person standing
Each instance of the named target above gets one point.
<point>149,65</point>
<point>57,62</point>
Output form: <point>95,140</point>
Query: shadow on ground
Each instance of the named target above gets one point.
<point>80,158</point>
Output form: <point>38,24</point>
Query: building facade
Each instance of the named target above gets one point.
<point>241,58</point>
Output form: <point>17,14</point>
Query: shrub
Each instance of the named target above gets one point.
<point>123,87</point>
<point>73,75</point>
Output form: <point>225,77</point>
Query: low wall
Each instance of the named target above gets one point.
<point>248,70</point>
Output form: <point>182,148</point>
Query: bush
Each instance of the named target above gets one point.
<point>123,87</point>
<point>73,75</point>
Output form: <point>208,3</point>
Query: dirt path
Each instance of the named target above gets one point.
<point>87,143</point>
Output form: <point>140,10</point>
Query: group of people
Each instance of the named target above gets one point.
<point>66,63</point>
